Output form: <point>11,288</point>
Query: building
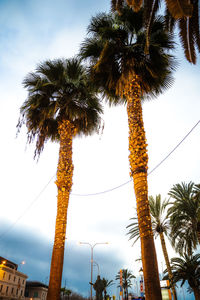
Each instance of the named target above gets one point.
<point>12,282</point>
<point>35,290</point>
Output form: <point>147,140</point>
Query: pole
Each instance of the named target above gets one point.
<point>92,247</point>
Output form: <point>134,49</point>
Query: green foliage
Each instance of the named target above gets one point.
<point>115,50</point>
<point>184,13</point>
<point>59,89</point>
<point>186,268</point>
<point>127,276</point>
<point>159,219</point>
<point>185,217</point>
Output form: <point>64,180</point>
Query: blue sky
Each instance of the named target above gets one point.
<point>32,31</point>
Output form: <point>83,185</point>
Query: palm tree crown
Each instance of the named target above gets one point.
<point>185,217</point>
<point>58,90</point>
<point>115,48</point>
<point>127,276</point>
<point>184,13</point>
<point>187,268</point>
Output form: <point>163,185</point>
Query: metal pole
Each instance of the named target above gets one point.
<point>92,247</point>
<point>91,271</point>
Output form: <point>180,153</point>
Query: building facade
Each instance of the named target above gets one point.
<point>12,282</point>
<point>35,291</point>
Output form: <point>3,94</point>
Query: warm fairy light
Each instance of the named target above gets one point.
<point>138,157</point>
<point>64,180</point>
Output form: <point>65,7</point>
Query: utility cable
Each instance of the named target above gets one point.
<point>162,161</point>
<point>30,205</point>
<point>98,193</point>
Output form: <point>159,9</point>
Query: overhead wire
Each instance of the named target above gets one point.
<point>102,192</point>
<point>162,161</point>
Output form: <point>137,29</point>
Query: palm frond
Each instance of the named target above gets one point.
<point>179,8</point>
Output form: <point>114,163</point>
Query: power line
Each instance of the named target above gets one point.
<point>30,205</point>
<point>119,186</point>
<point>98,193</point>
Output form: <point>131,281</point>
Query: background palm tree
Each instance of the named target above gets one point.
<point>115,49</point>
<point>187,268</point>
<point>184,13</point>
<point>127,276</point>
<point>185,217</point>
<point>160,226</point>
<point>61,103</point>
<point>107,283</point>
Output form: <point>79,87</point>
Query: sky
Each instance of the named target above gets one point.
<point>31,32</point>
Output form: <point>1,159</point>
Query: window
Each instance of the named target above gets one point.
<point>17,292</point>
<point>6,290</point>
<point>1,287</point>
<point>23,281</point>
<point>9,277</point>
<point>14,278</point>
<point>21,292</point>
<point>19,280</point>
<point>4,274</point>
<point>12,290</point>
<point>35,295</point>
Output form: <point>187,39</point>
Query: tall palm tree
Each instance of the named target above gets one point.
<point>185,217</point>
<point>184,13</point>
<point>125,74</point>
<point>127,276</point>
<point>187,268</point>
<point>61,104</point>
<point>160,226</point>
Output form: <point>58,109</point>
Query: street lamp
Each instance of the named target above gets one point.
<point>92,247</point>
<point>96,264</point>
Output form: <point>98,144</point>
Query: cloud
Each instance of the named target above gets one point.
<point>21,244</point>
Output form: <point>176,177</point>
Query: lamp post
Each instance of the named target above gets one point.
<point>96,264</point>
<point>92,248</point>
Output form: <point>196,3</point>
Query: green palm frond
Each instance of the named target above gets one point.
<point>116,50</point>
<point>159,219</point>
<point>184,217</point>
<point>179,8</point>
<point>186,268</point>
<point>59,89</point>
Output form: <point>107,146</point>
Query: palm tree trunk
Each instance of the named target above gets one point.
<point>196,293</point>
<point>64,184</point>
<point>138,164</point>
<point>164,249</point>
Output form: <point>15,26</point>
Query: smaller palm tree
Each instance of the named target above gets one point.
<point>127,276</point>
<point>187,269</point>
<point>185,217</point>
<point>160,226</point>
<point>61,104</point>
<point>107,283</point>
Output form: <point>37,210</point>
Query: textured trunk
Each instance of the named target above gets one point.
<point>64,184</point>
<point>164,249</point>
<point>198,231</point>
<point>138,164</point>
<point>196,293</point>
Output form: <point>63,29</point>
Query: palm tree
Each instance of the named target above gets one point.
<point>107,283</point>
<point>127,276</point>
<point>125,74</point>
<point>187,268</point>
<point>185,217</point>
<point>184,13</point>
<point>61,104</point>
<point>160,226</point>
